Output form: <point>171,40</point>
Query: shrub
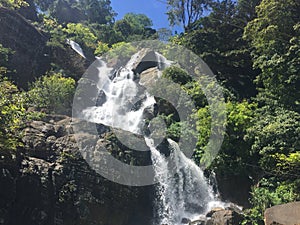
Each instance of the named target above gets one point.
<point>101,48</point>
<point>12,115</point>
<point>177,75</point>
<point>268,193</point>
<point>54,93</point>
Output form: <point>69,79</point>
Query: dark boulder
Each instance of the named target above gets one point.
<point>185,221</point>
<point>234,188</point>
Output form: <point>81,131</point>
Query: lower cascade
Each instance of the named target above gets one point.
<point>182,191</point>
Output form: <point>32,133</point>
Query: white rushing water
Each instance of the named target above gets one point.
<point>121,94</point>
<point>182,190</point>
<point>76,47</point>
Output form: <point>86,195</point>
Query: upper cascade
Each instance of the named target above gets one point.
<point>122,99</point>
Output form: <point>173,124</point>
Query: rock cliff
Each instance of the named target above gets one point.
<point>50,183</point>
<point>31,56</point>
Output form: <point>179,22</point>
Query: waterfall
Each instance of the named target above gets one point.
<point>121,94</point>
<point>182,189</point>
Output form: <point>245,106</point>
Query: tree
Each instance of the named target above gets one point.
<point>274,37</point>
<point>269,193</point>
<point>97,11</point>
<point>186,12</point>
<point>101,48</point>
<point>246,9</point>
<point>107,33</point>
<point>124,27</point>
<point>65,12</point>
<point>134,27</point>
<point>78,32</point>
<point>121,51</point>
<point>138,22</point>
<point>91,11</point>
<point>275,138</point>
<point>217,38</point>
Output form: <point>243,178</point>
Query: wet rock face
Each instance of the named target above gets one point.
<point>230,191</point>
<point>145,60</point>
<point>149,76</point>
<point>220,216</point>
<point>29,45</point>
<point>286,214</point>
<point>50,183</point>
<point>29,12</point>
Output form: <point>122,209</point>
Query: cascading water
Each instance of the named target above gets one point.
<point>121,94</point>
<point>182,190</point>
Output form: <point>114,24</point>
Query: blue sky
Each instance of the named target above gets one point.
<point>154,9</point>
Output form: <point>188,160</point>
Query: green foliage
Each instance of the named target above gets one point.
<point>270,193</point>
<point>107,34</point>
<point>53,92</point>
<point>121,51</point>
<point>97,11</point>
<point>288,163</point>
<point>4,53</point>
<point>13,4</point>
<point>235,151</point>
<point>194,90</point>
<point>101,48</point>
<point>174,129</point>
<point>57,36</point>
<point>123,27</point>
<point>134,27</point>
<point>275,137</point>
<point>91,11</point>
<point>67,192</point>
<point>81,34</point>
<point>4,56</point>
<point>138,22</point>
<point>223,48</point>
<point>12,115</point>
<point>274,36</point>
<point>177,75</point>
<point>77,32</point>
